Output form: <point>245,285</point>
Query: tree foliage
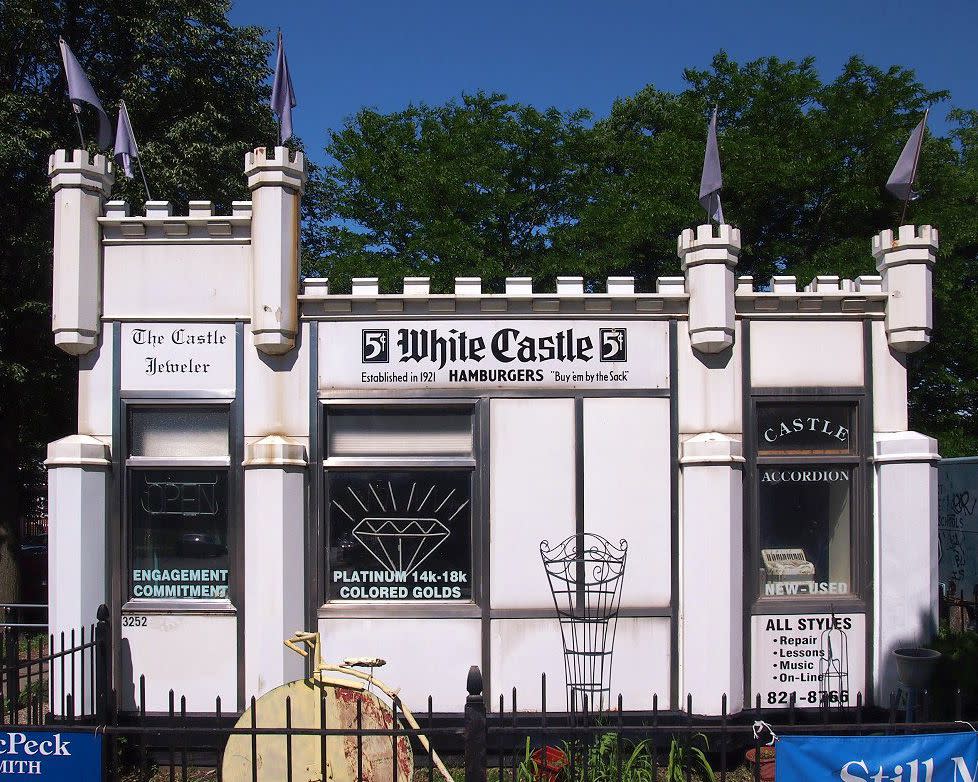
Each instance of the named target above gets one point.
<point>438,190</point>
<point>489,187</point>
<point>196,90</point>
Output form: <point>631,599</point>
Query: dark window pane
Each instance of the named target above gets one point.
<point>178,528</point>
<point>399,535</point>
<point>805,526</point>
<point>805,429</point>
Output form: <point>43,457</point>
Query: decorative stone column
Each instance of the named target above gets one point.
<point>906,535</point>
<point>906,262</point>
<point>709,257</point>
<point>78,485</point>
<point>276,182</point>
<point>80,184</point>
<point>274,478</point>
<point>712,576</point>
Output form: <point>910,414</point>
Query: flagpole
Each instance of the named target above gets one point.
<point>139,160</point>
<point>74,108</point>
<point>916,160</point>
<point>81,137</point>
<point>278,48</point>
<point>715,213</point>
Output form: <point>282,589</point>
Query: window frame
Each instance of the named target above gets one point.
<point>857,460</point>
<point>475,464</point>
<point>229,464</point>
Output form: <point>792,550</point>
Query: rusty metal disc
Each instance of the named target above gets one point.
<point>308,761</point>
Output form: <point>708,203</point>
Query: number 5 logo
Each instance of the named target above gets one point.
<point>376,349</point>
<point>614,344</point>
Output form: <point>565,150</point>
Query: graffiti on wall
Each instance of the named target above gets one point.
<point>957,525</point>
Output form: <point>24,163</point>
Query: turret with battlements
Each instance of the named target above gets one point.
<point>80,184</point>
<point>276,180</point>
<point>709,257</point>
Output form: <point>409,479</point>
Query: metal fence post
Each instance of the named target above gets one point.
<point>475,728</point>
<point>12,663</point>
<point>103,665</point>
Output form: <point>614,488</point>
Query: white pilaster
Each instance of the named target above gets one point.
<point>709,258</point>
<point>711,578</point>
<point>906,560</point>
<point>80,185</point>
<point>710,389</point>
<point>95,401</point>
<point>274,504</point>
<point>78,480</point>
<point>276,182</point>
<point>889,383</point>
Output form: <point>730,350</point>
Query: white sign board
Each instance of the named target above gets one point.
<point>178,357</point>
<point>520,354</point>
<point>957,523</point>
<point>813,656</point>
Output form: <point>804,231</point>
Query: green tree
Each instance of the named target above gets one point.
<point>196,88</point>
<point>493,188</point>
<point>465,188</point>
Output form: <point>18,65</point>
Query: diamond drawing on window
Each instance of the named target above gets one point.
<point>401,539</point>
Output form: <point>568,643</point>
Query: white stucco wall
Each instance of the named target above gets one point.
<point>532,495</point>
<point>627,492</point>
<point>806,353</point>
<point>424,656</point>
<point>195,655</point>
<point>148,281</point>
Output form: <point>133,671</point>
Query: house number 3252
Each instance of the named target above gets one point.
<point>134,621</point>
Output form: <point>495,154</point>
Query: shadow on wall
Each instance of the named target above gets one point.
<point>283,362</point>
<point>126,695</point>
<point>714,360</point>
<point>923,637</point>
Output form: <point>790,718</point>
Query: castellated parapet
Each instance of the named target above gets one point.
<point>80,184</point>
<point>111,264</point>
<point>709,258</point>
<point>906,262</point>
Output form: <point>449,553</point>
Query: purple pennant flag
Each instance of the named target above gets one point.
<point>901,181</point>
<point>125,141</point>
<point>283,96</point>
<point>80,91</point>
<point>712,179</point>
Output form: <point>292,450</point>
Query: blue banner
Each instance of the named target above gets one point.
<point>946,757</point>
<point>50,756</point>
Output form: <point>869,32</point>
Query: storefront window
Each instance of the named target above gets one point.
<point>805,529</point>
<point>806,469</point>
<point>179,525</point>
<point>398,498</point>
<point>400,535</point>
<point>177,484</point>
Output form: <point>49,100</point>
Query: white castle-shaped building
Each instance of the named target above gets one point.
<point>256,455</point>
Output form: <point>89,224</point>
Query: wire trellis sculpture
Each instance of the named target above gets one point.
<point>833,668</point>
<point>585,573</point>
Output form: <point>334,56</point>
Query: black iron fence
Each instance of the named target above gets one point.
<point>487,742</point>
<point>47,676</point>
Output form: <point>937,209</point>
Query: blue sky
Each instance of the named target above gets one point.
<point>577,54</point>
